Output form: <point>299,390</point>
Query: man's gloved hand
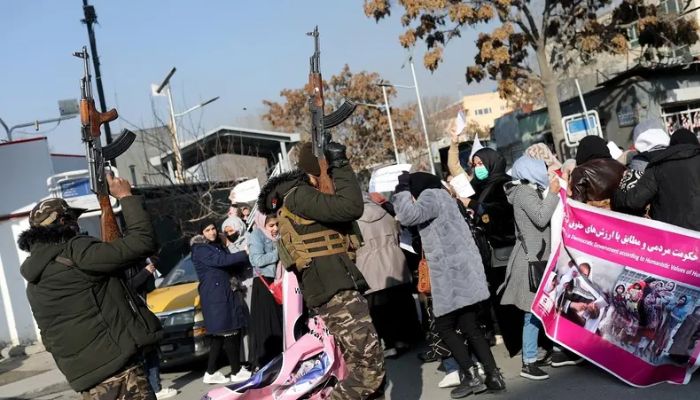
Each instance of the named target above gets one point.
<point>404,182</point>
<point>335,155</point>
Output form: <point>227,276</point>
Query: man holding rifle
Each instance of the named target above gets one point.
<point>90,323</point>
<point>315,229</point>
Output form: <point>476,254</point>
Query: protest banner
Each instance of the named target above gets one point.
<point>624,293</point>
<point>462,186</point>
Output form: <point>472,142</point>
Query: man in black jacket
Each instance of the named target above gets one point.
<point>314,228</point>
<point>90,322</point>
<point>670,184</point>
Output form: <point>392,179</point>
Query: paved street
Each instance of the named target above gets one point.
<point>410,380</point>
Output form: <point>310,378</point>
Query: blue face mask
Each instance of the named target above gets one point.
<point>481,172</point>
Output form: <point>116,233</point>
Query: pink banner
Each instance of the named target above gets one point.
<point>624,293</point>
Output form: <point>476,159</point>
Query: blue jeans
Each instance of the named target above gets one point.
<point>450,365</point>
<point>531,331</point>
<point>151,363</point>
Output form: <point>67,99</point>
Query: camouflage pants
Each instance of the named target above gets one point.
<point>347,318</point>
<point>130,384</point>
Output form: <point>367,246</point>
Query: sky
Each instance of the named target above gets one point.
<point>243,51</point>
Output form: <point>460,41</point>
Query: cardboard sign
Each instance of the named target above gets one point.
<point>385,179</point>
<point>462,186</point>
<point>245,192</point>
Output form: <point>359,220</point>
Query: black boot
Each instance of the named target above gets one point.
<point>471,384</point>
<point>494,381</point>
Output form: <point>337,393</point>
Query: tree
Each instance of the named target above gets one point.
<point>559,33</point>
<point>366,132</point>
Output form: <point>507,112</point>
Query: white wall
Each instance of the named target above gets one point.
<point>16,321</point>
<point>65,162</point>
<point>24,168</point>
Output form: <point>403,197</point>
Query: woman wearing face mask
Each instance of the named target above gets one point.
<point>266,314</point>
<point>225,313</point>
<point>494,215</point>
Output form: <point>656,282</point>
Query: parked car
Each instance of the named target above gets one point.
<point>176,303</point>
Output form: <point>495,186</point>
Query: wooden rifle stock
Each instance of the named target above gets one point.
<point>90,117</point>
<point>108,221</point>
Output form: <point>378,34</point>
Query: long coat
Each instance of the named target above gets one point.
<point>380,259</point>
<point>223,309</point>
<point>456,272</point>
<point>532,216</point>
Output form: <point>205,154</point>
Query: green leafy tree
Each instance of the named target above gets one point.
<point>557,34</point>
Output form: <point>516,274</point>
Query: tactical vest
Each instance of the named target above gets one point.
<point>299,249</point>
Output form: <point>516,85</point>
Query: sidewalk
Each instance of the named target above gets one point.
<point>30,377</point>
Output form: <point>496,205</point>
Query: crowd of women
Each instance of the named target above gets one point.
<point>477,250</point>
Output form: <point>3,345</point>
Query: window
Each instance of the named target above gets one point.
<point>671,6</point>
<point>633,36</point>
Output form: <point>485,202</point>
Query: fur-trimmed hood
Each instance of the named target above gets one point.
<point>44,243</point>
<point>56,234</point>
<point>273,192</point>
<point>198,239</point>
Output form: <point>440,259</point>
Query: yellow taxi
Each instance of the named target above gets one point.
<point>176,303</point>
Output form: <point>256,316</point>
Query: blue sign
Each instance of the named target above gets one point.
<point>75,188</point>
<point>576,127</point>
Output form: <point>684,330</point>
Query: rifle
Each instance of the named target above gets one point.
<point>98,156</point>
<point>320,123</point>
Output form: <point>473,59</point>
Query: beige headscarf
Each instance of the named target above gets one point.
<point>540,151</point>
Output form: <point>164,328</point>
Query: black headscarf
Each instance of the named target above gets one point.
<point>683,136</point>
<point>495,164</point>
<point>591,148</point>
<point>421,181</point>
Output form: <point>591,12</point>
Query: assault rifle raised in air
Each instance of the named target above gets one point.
<point>320,123</point>
<point>98,156</point>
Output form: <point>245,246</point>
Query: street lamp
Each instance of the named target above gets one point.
<point>165,85</point>
<point>420,111</point>
<point>35,123</point>
<point>391,124</point>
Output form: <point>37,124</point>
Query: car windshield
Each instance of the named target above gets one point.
<point>183,272</point>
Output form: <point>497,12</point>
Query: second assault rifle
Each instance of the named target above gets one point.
<point>98,156</point>
<point>320,123</point>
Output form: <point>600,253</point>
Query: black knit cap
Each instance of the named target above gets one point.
<point>307,160</point>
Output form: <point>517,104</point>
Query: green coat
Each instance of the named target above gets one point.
<point>326,275</point>
<point>89,322</point>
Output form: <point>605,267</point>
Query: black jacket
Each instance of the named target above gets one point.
<point>326,275</point>
<point>90,323</point>
<point>671,184</point>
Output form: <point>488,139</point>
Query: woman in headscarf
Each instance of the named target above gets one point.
<point>266,315</point>
<point>225,313</point>
<point>540,151</point>
<point>597,175</point>
<point>457,276</point>
<point>493,215</point>
<point>670,184</point>
<point>489,201</point>
<point>533,206</point>
<point>649,138</point>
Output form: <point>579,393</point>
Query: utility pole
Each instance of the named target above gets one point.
<point>422,117</point>
<point>90,19</point>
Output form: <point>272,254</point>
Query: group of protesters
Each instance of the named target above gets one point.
<point>372,293</point>
<point>476,293</point>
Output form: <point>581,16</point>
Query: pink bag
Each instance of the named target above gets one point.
<point>309,366</point>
